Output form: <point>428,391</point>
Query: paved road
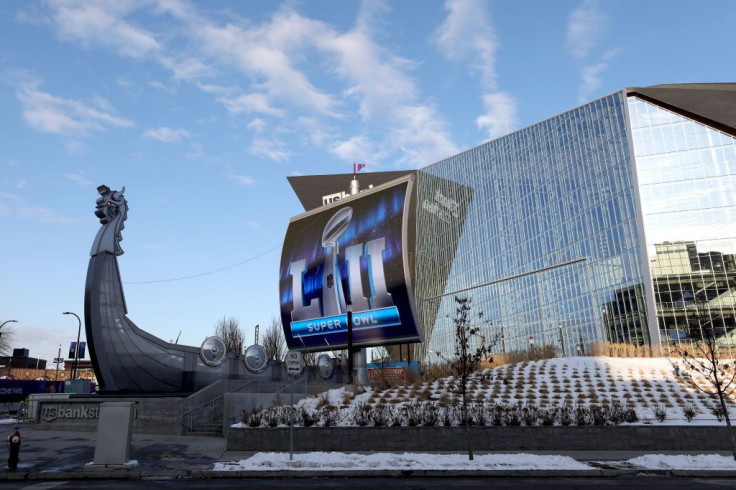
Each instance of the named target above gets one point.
<point>647,482</point>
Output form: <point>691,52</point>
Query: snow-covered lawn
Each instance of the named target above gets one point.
<point>646,384</point>
<point>330,461</point>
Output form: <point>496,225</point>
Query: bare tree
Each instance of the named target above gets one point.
<point>228,329</point>
<point>273,340</point>
<point>471,348</point>
<point>6,339</point>
<point>710,362</point>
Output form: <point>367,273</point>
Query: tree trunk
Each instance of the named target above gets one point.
<point>728,423</point>
<point>467,422</point>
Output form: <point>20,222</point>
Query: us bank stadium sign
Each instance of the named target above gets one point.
<point>352,251</point>
<point>51,412</point>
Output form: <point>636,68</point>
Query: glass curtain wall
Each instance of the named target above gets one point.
<point>539,229</point>
<point>687,179</point>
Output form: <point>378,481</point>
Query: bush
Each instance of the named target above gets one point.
<point>689,412</point>
<point>660,413</point>
<point>717,410</point>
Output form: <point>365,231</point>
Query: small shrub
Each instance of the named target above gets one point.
<point>688,410</point>
<point>565,414</point>
<point>660,413</point>
<point>323,400</point>
<point>308,418</point>
<point>717,410</point>
<point>362,414</point>
<point>328,414</point>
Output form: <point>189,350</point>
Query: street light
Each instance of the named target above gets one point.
<point>75,366</point>
<point>8,321</point>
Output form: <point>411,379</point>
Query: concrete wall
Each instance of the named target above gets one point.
<point>573,438</point>
<point>153,415</point>
<point>235,403</point>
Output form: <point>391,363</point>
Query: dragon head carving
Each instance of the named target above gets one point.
<point>112,210</point>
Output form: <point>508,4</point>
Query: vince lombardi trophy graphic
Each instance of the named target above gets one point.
<point>333,300</point>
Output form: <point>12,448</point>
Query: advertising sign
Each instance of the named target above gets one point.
<point>351,252</point>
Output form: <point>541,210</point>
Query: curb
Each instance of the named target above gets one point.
<point>208,474</point>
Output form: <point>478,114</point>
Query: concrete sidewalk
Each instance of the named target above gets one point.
<point>61,455</point>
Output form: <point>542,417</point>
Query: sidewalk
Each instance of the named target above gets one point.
<point>57,455</point>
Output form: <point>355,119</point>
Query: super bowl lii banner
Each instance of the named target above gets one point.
<point>353,251</point>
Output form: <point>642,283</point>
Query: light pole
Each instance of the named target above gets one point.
<point>75,366</point>
<point>8,321</point>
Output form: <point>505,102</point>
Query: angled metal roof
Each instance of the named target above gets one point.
<point>713,104</point>
<point>311,188</point>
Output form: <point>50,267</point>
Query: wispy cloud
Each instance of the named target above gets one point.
<point>242,180</point>
<point>250,103</point>
<point>270,148</point>
<point>467,36</point>
<point>275,59</point>
<point>500,116</point>
<point>103,23</point>
<point>160,86</point>
<point>585,27</point>
<point>167,135</point>
<point>355,148</point>
<point>79,178</point>
<point>48,113</point>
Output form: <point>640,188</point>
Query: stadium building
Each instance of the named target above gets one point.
<point>614,221</point>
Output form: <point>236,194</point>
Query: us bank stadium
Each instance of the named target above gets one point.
<point>614,221</point>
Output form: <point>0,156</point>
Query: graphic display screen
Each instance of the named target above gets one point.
<point>353,251</point>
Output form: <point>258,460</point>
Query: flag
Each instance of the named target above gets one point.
<point>357,167</point>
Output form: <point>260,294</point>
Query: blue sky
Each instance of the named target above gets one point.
<point>202,109</point>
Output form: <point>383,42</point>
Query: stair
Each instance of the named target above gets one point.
<point>205,430</point>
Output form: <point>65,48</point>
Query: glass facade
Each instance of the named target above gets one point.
<point>540,229</point>
<point>687,179</point>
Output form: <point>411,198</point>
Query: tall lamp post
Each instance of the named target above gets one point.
<point>75,366</point>
<point>562,340</point>
<point>8,321</point>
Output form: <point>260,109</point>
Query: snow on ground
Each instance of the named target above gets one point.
<point>684,462</point>
<point>329,461</point>
<point>647,384</point>
<point>395,461</point>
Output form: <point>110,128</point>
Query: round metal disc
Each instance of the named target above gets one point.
<point>325,365</point>
<point>255,359</point>
<point>212,351</point>
<point>336,226</point>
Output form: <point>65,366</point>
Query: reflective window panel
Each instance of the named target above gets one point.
<point>539,229</point>
<point>687,178</point>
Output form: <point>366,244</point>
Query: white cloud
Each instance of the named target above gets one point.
<point>257,125</point>
<point>103,22</point>
<point>160,86</point>
<point>592,75</point>
<point>250,103</point>
<point>272,149</point>
<point>585,27</point>
<point>357,148</point>
<point>467,35</point>
<point>243,180</point>
<point>196,152</point>
<point>167,135</point>
<point>79,178</point>
<point>500,117</point>
<point>51,114</point>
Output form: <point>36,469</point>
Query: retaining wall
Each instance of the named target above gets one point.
<point>571,438</point>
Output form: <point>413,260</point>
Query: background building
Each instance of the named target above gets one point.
<point>614,221</point>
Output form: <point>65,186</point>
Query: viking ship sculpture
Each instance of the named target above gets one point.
<point>126,358</point>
